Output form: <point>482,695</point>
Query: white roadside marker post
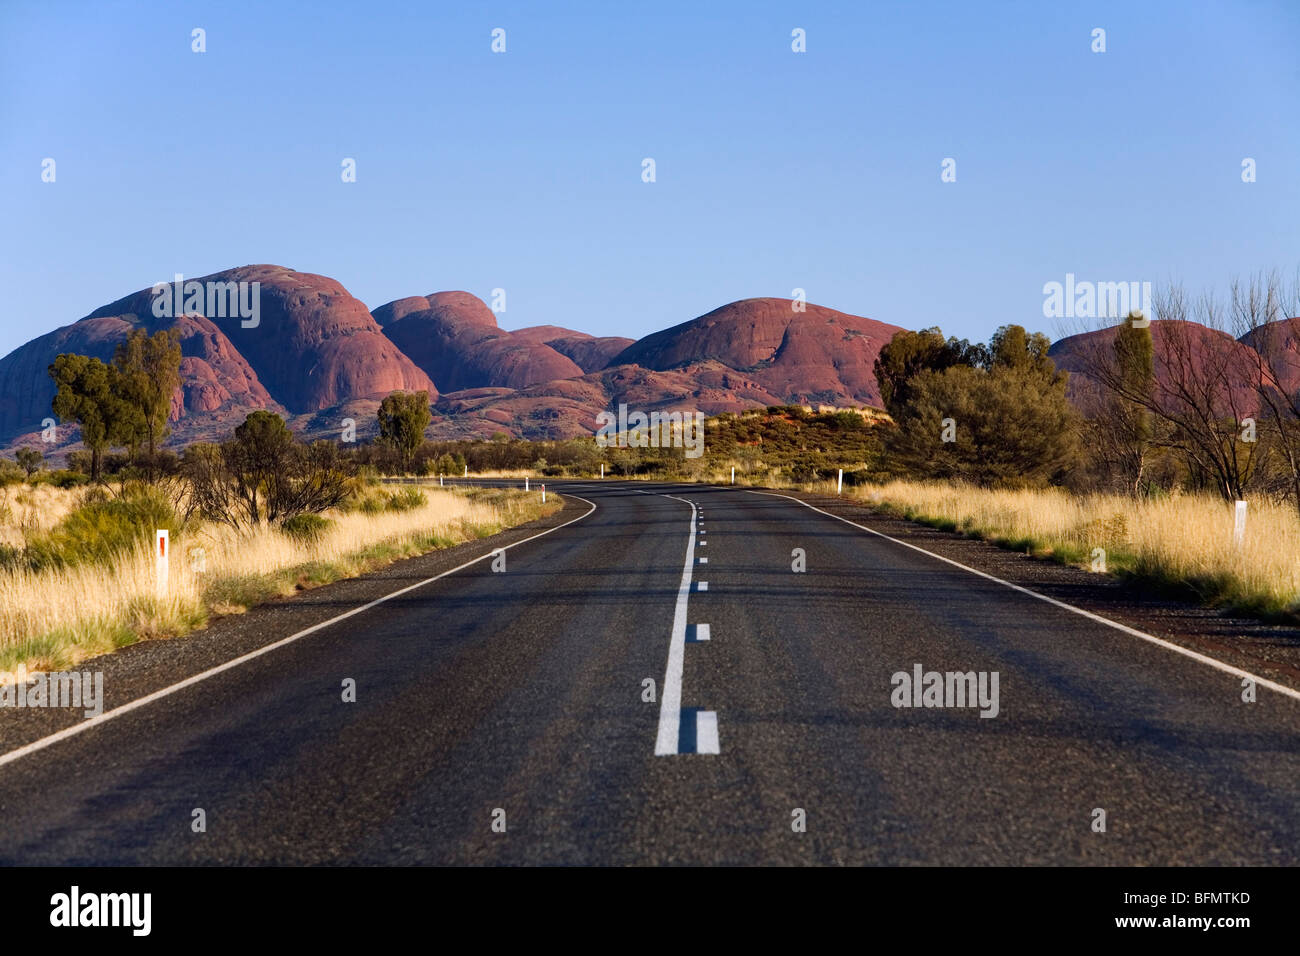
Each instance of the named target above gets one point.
<point>602,469</point>
<point>467,471</point>
<point>160,552</point>
<point>543,494</point>
<point>440,481</point>
<point>839,485</point>
<point>733,474</point>
<point>525,483</point>
<point>1239,524</point>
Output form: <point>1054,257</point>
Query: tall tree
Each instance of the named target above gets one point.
<point>908,354</point>
<point>403,417</point>
<point>1012,347</point>
<point>1002,422</point>
<point>149,370</point>
<point>1122,429</point>
<point>88,393</point>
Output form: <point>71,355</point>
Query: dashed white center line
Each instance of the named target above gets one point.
<point>706,732</point>
<point>670,705</point>
<point>700,733</point>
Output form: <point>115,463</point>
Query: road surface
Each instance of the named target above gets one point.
<point>517,699</point>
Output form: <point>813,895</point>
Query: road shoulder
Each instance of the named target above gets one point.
<point>150,666</point>
<point>1268,650</point>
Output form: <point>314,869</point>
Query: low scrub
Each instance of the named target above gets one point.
<point>101,531</point>
<point>58,612</point>
<point>306,528</point>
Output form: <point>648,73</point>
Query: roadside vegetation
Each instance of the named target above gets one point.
<point>86,584</point>
<point>1181,544</point>
<point>255,517</point>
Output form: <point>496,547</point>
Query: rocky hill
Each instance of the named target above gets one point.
<point>315,354</point>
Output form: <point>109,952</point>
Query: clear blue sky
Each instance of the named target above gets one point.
<point>522,170</point>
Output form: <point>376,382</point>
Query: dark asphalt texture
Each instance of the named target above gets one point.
<point>522,691</point>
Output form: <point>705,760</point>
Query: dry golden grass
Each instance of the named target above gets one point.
<point>28,508</point>
<point>1181,541</point>
<point>519,473</point>
<point>57,617</point>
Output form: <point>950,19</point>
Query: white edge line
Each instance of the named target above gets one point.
<point>1133,632</point>
<point>108,715</point>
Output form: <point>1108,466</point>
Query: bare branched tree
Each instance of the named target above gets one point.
<point>1266,316</point>
<point>1202,392</point>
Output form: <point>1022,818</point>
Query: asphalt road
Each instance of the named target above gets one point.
<point>523,691</point>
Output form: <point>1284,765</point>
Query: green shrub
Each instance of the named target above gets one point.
<point>61,478</point>
<point>103,528</point>
<point>305,528</point>
<point>408,499</point>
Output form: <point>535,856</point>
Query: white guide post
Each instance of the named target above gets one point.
<point>161,556</point>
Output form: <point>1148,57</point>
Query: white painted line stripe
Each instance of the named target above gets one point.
<point>706,732</point>
<point>701,632</point>
<point>704,560</point>
<point>703,586</point>
<point>139,702</point>
<point>670,702</point>
<point>1134,632</point>
<point>703,543</point>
